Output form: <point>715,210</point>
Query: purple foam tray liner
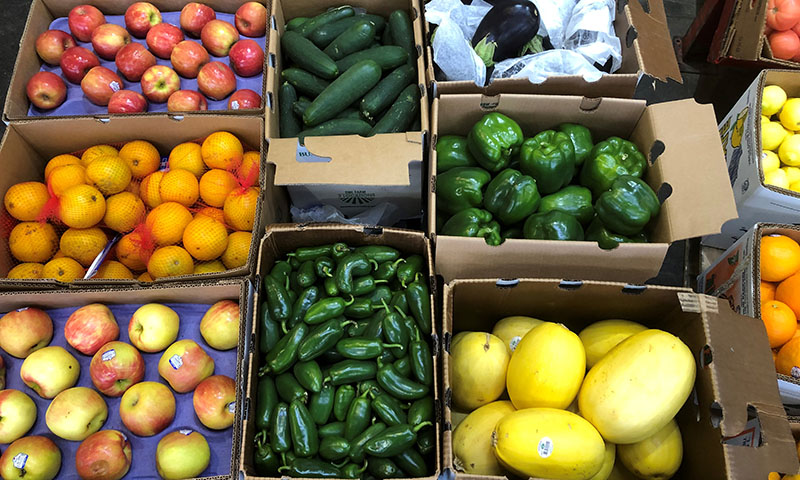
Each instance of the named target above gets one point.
<point>77,104</point>
<point>143,449</point>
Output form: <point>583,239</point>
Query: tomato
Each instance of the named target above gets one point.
<point>784,45</point>
<point>783,14</point>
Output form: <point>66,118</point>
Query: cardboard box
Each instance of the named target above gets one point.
<point>741,139</point>
<point>647,56</point>
<point>282,239</point>
<point>43,12</point>
<point>190,302</point>
<point>697,205</point>
<point>385,168</point>
<point>717,411</point>
<point>740,37</point>
<point>28,146</point>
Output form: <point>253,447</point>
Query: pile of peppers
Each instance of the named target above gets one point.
<point>345,384</point>
<point>557,185</point>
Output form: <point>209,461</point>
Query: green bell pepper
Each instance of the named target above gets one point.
<point>549,157</point>
<point>608,240</point>
<point>610,159</point>
<point>452,151</point>
<point>493,140</point>
<point>473,222</point>
<point>581,140</point>
<point>575,200</point>
<point>555,225</point>
<point>512,232</point>
<point>461,188</point>
<point>628,206</point>
<point>511,196</point>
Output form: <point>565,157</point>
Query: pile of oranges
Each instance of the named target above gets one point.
<point>195,216</point>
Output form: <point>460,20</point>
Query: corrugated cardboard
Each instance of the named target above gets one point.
<point>742,39</point>
<point>724,389</point>
<point>28,146</point>
<point>349,172</point>
<point>43,12</point>
<point>647,56</point>
<point>282,239</point>
<point>697,205</point>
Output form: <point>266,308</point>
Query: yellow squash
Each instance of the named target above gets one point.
<point>456,417</point>
<point>548,443</point>
<point>619,472</point>
<point>547,368</point>
<point>600,337</point>
<point>512,329</point>
<point>608,463</point>
<point>472,440</point>
<point>657,457</point>
<point>478,367</point>
<point>638,386</point>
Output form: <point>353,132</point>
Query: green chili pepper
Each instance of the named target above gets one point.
<point>265,460</point>
<point>320,405</point>
<point>351,470</point>
<point>334,448</point>
<point>375,328</point>
<point>388,409</point>
<point>384,468</point>
<point>379,253</point>
<point>357,444</point>
<point>304,301</point>
<point>310,253</point>
<point>354,264</point>
<point>309,375</point>
<point>360,308</point>
<point>321,338</point>
<point>364,285</point>
<point>395,333</point>
<point>291,295</point>
<point>289,389</point>
<point>387,270</point>
<point>310,468</point>
<point>270,331</point>
<point>305,274</point>
<point>399,386</point>
<point>266,399</point>
<point>330,356</point>
<point>361,348</point>
<point>407,271</point>
<point>288,457</point>
<point>370,386</point>
<point>333,429</point>
<point>386,357</point>
<point>345,395</point>
<point>283,356</point>
<point>358,329</point>
<point>280,439</point>
<point>419,303</point>
<point>280,304</point>
<point>294,262</point>
<point>393,440</point>
<point>426,441</point>
<point>304,431</point>
<point>411,462</point>
<point>381,292</point>
<point>358,416</point>
<point>421,411</point>
<point>330,287</point>
<point>324,267</point>
<point>280,271</point>
<point>419,354</point>
<point>326,309</point>
<point>340,250</point>
<point>403,366</point>
<point>351,371</point>
<point>400,302</point>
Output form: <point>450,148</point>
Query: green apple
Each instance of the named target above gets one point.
<point>76,413</point>
<point>153,327</point>
<point>50,370</point>
<point>31,458</point>
<point>184,365</point>
<point>17,414</point>
<point>182,454</point>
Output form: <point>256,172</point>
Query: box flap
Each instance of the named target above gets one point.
<point>653,43</point>
<point>744,37</point>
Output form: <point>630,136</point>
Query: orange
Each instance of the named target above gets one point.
<point>774,476</point>
<point>169,262</point>
<point>113,269</point>
<point>215,213</point>
<point>789,358</point>
<point>780,322</point>
<point>167,222</point>
<point>82,206</point>
<point>238,249</point>
<point>215,185</point>
<point>149,190</point>
<point>130,251</point>
<point>179,186</point>
<point>123,212</point>
<point>63,269</point>
<point>788,292</point>
<point>791,477</point>
<point>26,271</point>
<point>205,238</point>
<point>33,242</point>
<point>25,200</point>
<point>92,153</point>
<point>250,167</point>
<point>767,291</point>
<point>222,150</point>
<point>83,245</point>
<point>215,266</point>
<point>780,257</point>
<point>142,158</point>
<point>188,157</point>
<point>59,254</point>
<point>110,174</point>
<point>60,161</point>
<point>240,209</point>
<point>145,277</point>
<point>62,178</point>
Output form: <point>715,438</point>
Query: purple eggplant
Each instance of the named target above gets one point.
<point>506,30</point>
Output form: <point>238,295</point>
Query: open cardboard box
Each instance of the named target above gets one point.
<point>742,40</point>
<point>349,172</point>
<point>687,168</point>
<point>282,239</point>
<point>28,146</point>
<point>647,57</point>
<point>716,413</point>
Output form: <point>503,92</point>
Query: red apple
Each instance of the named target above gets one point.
<point>104,455</point>
<point>218,36</point>
<point>24,331</point>
<point>220,325</point>
<point>244,99</point>
<point>132,61</point>
<point>76,63</point>
<point>194,17</point>
<point>251,19</point>
<point>162,38</point>
<point>147,408</point>
<point>108,39</point>
<point>182,454</point>
<point>140,17</point>
<point>42,459</point>
<point>188,57</point>
<point>90,327</point>
<point>82,21</point>
<point>185,364</point>
<point>247,58</point>
<point>46,90</point>
<point>159,82</point>
<point>186,101</point>
<point>51,44</point>
<point>214,401</point>
<point>216,80</point>
<point>99,84</point>
<point>127,101</point>
<point>115,368</point>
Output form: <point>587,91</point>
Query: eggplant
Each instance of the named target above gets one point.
<point>505,30</point>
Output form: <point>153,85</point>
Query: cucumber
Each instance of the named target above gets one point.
<point>338,126</point>
<point>295,23</point>
<point>350,113</point>
<point>325,34</point>
<point>403,32</point>
<point>387,91</point>
<point>307,56</point>
<point>324,19</point>
<point>305,82</point>
<point>386,38</point>
<point>345,90</point>
<point>388,57</point>
<point>289,126</point>
<point>354,39</point>
<point>299,107</point>
<point>401,114</point>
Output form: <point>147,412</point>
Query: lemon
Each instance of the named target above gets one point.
<point>790,115</point>
<point>764,119</point>
<point>772,99</point>
<point>777,178</point>
<point>789,151</point>
<point>769,161</point>
<point>795,187</point>
<point>772,134</point>
<point>792,174</point>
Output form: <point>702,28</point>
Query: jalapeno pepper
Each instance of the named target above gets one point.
<point>426,441</point>
<point>329,357</point>
<point>270,331</point>
<point>358,416</point>
<point>326,309</point>
<point>407,271</point>
<point>310,253</point>
<point>289,389</point>
<point>309,375</point>
<point>381,292</point>
<point>305,300</point>
<point>358,329</point>
<point>387,270</point>
<point>395,332</point>
<point>334,429</point>
<point>320,405</point>
<point>294,284</point>
<point>360,308</point>
<point>375,327</point>
<point>324,267</point>
<point>266,399</point>
<point>279,436</point>
<point>393,440</point>
<point>283,356</point>
<point>399,386</point>
<point>389,410</point>
<point>411,462</point>
<point>379,253</point>
<point>370,386</point>
<point>310,468</point>
<point>351,470</point>
<point>293,261</point>
<point>345,395</point>
<point>357,444</point>
<point>291,293</point>
<point>305,439</point>
<point>384,468</point>
<point>419,354</point>
<point>420,411</point>
<point>399,301</point>
<point>403,366</point>
<point>340,250</point>
<point>321,338</point>
<point>361,348</point>
<point>265,460</point>
<point>351,371</point>
<point>330,287</point>
<point>385,357</point>
<point>334,448</point>
<point>280,304</point>
<point>280,271</point>
<point>354,264</point>
<point>364,285</point>
<point>419,303</point>
<point>305,274</point>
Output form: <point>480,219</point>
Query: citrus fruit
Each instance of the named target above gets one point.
<point>776,178</point>
<point>92,153</point>
<point>788,292</point>
<point>26,271</point>
<point>179,186</point>
<point>131,251</point>
<point>790,114</point>
<point>205,238</point>
<point>63,269</point>
<point>25,200</point>
<point>769,161</point>
<point>110,174</point>
<point>142,158</point>
<point>222,150</point>
<point>238,249</point>
<point>149,189</point>
<point>789,358</point>
<point>240,208</point>
<point>774,476</point>
<point>789,151</point>
<point>145,277</point>
<point>82,206</point>
<point>780,257</point>
<point>123,212</point>
<point>188,157</point>
<point>83,245</point>
<point>772,134</point>
<point>249,170</point>
<point>62,178</point>
<point>792,174</point>
<point>780,322</point>
<point>772,99</point>
<point>113,269</point>
<point>167,222</point>
<point>214,266</point>
<point>170,261</point>
<point>59,254</point>
<point>33,242</point>
<point>767,291</point>
<point>215,185</point>
<point>215,213</point>
<point>60,161</point>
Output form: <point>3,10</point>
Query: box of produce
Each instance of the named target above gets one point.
<point>355,72</point>
<point>133,198</point>
<point>96,385</point>
<point>342,379</point>
<point>648,383</point>
<point>616,177</point>
<point>597,48</point>
<point>114,57</point>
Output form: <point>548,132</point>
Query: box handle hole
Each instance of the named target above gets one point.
<point>634,289</point>
<point>570,284</point>
<point>655,151</point>
<point>630,36</point>
<point>507,283</point>
<point>664,192</point>
<point>590,104</point>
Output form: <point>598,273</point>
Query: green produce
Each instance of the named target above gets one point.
<point>296,23</point>
<point>289,126</point>
<point>388,57</point>
<point>555,225</point>
<point>389,410</point>
<point>384,468</point>
<point>267,398</point>
<point>402,365</point>
<point>548,157</point>
<point>280,306</point>
<point>309,375</point>
<point>307,56</point>
<point>320,405</point>
<point>361,348</point>
<point>627,206</point>
<point>354,264</point>
<point>280,438</point>
<point>401,114</point>
<point>358,416</point>
<point>387,91</point>
<point>408,270</point>
<point>608,160</point>
<point>398,385</point>
<point>421,411</point>
<point>419,303</point>
<point>361,308</point>
<point>419,355</point>
<point>308,27</point>
<point>473,222</point>
<point>334,448</point>
<point>453,151</point>
<point>351,470</point>
<point>283,356</point>
<point>379,253</point>
<point>325,34</point>
<point>325,309</point>
<point>393,440</point>
<point>365,285</point>
<point>411,462</point>
<point>289,389</point>
<point>270,331</point>
<point>351,85</point>
<point>574,199</point>
<point>345,395</point>
<point>305,439</point>
<point>581,140</point>
<point>310,468</point>
<point>265,460</point>
<point>351,371</point>
<point>608,240</point>
<point>305,300</point>
<point>324,267</point>
<point>511,196</point>
<point>356,38</point>
<point>321,338</point>
<point>460,188</point>
<point>402,32</point>
<point>335,429</point>
<point>358,443</point>
<point>493,140</point>
<point>395,332</point>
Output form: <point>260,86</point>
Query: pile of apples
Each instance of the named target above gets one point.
<point>783,29</point>
<point>160,83</point>
<point>77,413</point>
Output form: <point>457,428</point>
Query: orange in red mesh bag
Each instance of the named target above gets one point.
<point>142,158</point>
<point>33,242</point>
<point>24,201</point>
<point>123,212</point>
<point>170,261</point>
<point>83,245</point>
<point>215,213</point>
<point>215,185</point>
<point>167,222</point>
<point>109,173</point>
<point>94,152</point>
<point>222,150</point>
<point>179,186</point>
<point>149,189</point>
<point>66,176</point>
<point>187,156</point>
<point>241,203</point>
<point>60,161</point>
<point>132,250</point>
<point>205,238</point>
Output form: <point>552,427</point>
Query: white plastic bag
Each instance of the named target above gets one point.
<point>383,213</point>
<point>537,67</point>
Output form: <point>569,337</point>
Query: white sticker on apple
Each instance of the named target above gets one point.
<point>235,105</point>
<point>114,86</point>
<point>20,460</point>
<point>176,361</point>
<point>232,407</point>
<point>109,355</point>
<point>21,309</point>
<point>185,431</point>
